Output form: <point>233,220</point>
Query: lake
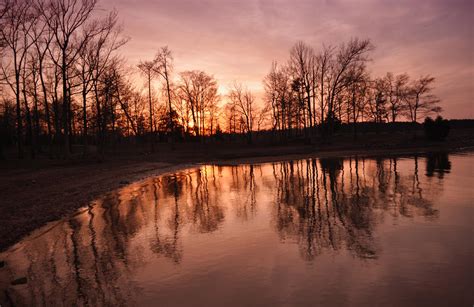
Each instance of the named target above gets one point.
<point>391,231</point>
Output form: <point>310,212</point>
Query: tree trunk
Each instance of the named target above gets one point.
<point>19,127</point>
<point>45,97</point>
<point>84,120</point>
<point>65,106</point>
<point>152,137</point>
<point>29,124</point>
<point>36,118</point>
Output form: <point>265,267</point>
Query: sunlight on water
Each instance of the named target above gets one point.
<point>386,231</point>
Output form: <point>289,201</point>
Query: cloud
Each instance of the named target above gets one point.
<point>237,40</point>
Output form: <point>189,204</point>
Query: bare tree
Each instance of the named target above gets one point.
<point>94,59</point>
<point>163,67</point>
<point>65,18</point>
<point>17,21</point>
<point>378,102</point>
<point>358,82</point>
<point>147,68</point>
<point>394,89</point>
<point>200,91</point>
<point>125,95</point>
<point>230,113</point>
<point>349,54</point>
<point>263,115</point>
<point>5,7</point>
<point>323,62</point>
<point>244,101</point>
<point>420,98</point>
<point>398,92</point>
<point>326,76</point>
<point>301,65</point>
<point>278,93</point>
<point>214,114</point>
<point>42,36</point>
<point>182,107</point>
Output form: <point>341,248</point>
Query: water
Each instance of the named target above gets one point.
<point>359,232</point>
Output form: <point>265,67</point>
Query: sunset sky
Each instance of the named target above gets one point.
<point>237,40</point>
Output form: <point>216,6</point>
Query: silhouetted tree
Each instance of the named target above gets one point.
<point>436,130</point>
<point>301,64</point>
<point>244,101</point>
<point>147,68</point>
<point>163,66</point>
<point>66,19</point>
<point>352,53</point>
<point>60,63</point>
<point>395,89</point>
<point>18,19</point>
<point>420,98</point>
<point>199,90</point>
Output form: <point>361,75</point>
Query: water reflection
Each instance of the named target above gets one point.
<point>321,206</point>
<point>339,202</point>
<point>438,164</point>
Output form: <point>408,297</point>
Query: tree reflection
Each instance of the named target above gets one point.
<point>338,203</point>
<point>437,164</point>
<point>207,213</point>
<point>321,205</point>
<point>167,243</point>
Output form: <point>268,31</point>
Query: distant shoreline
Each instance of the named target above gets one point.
<point>341,154</point>
<point>34,195</point>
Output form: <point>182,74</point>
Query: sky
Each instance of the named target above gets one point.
<point>238,40</point>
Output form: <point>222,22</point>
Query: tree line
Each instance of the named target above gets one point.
<point>320,89</point>
<point>64,83</point>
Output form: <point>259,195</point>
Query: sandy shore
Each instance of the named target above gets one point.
<point>32,197</point>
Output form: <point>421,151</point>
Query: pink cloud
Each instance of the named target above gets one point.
<point>237,40</point>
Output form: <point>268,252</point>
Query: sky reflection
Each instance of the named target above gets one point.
<point>254,228</point>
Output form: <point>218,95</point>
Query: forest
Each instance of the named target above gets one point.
<point>65,88</point>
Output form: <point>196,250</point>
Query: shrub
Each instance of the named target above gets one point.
<point>436,130</point>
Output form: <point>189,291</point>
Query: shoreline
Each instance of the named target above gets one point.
<point>34,198</point>
<point>340,154</point>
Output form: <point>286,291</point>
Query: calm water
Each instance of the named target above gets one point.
<point>359,232</point>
